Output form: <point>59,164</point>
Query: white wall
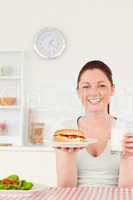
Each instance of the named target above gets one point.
<point>94,30</point>
<point>36,166</point>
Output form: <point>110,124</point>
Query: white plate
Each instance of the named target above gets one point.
<point>36,188</point>
<point>71,144</point>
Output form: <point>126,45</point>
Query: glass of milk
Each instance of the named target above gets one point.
<point>118,132</point>
<point>117,136</point>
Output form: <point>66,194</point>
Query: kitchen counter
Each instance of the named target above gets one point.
<point>27,148</point>
<point>34,163</point>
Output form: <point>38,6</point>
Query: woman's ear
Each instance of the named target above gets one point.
<point>113,90</point>
<point>78,92</point>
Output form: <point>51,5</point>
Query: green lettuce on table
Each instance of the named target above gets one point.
<point>13,182</point>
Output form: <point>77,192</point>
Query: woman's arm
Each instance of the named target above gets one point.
<point>126,171</point>
<point>126,164</point>
<point>66,168</point>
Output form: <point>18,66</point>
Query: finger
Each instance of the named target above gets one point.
<point>58,148</point>
<point>76,149</point>
<point>128,139</point>
<point>73,150</point>
<point>127,150</point>
<point>128,145</point>
<point>65,148</point>
<point>128,134</point>
<point>81,147</point>
<point>68,149</point>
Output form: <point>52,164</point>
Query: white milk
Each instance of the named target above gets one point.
<point>117,136</point>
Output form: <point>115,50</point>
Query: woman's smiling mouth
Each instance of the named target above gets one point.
<point>94,100</point>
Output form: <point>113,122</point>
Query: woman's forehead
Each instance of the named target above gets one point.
<point>93,75</point>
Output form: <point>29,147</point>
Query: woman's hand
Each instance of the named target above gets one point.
<point>128,144</point>
<point>66,166</point>
<point>70,150</point>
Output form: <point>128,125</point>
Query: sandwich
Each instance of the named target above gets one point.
<point>69,135</point>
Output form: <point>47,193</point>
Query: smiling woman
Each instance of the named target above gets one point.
<point>94,165</point>
<point>98,78</point>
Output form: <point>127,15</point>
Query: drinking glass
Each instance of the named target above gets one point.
<point>116,140</point>
<point>118,132</point>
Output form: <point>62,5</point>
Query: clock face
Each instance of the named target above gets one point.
<point>49,43</point>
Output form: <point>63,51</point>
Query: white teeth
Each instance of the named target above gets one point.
<point>94,101</point>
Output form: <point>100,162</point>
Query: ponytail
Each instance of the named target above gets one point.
<point>108,108</point>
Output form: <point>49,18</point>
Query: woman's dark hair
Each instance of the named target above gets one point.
<point>96,64</point>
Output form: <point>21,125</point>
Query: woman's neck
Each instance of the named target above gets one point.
<point>97,116</point>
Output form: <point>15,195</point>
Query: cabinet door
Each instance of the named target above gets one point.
<point>39,167</point>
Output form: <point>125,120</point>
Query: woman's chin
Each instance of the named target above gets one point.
<point>94,108</point>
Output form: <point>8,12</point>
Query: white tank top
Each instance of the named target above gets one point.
<point>102,170</point>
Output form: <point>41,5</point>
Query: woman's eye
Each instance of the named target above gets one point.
<point>85,86</point>
<point>102,85</point>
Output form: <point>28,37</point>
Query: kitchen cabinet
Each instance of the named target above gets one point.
<point>11,97</point>
<point>18,156</point>
<point>35,164</point>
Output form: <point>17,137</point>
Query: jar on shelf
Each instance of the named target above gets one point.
<point>3,128</point>
<point>6,70</point>
<point>37,133</point>
<point>9,96</point>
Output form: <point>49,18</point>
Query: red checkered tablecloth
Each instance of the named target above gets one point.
<point>80,193</point>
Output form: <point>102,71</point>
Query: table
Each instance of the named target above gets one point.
<point>79,193</point>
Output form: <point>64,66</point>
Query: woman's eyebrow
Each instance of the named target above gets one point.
<point>101,81</point>
<point>86,82</point>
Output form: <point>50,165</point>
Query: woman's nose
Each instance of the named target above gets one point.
<point>93,92</point>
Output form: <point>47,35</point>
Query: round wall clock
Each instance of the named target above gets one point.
<point>49,43</point>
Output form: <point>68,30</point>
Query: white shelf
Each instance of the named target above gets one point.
<point>10,107</point>
<point>8,139</point>
<point>10,78</point>
<point>13,114</point>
